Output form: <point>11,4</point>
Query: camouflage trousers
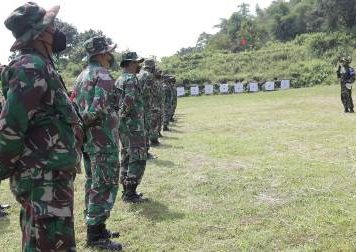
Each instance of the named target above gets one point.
<point>46,216</point>
<point>167,116</point>
<point>148,130</point>
<point>156,124</point>
<point>102,176</point>
<point>346,98</point>
<point>133,158</point>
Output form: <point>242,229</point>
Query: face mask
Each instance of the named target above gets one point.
<point>59,42</point>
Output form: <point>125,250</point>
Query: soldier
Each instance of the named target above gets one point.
<point>174,98</point>
<point>346,74</point>
<point>132,128</point>
<point>157,105</point>
<point>95,94</point>
<point>168,96</point>
<point>40,132</point>
<point>2,207</point>
<point>146,79</point>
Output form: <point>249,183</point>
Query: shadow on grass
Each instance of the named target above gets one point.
<point>156,211</point>
<point>4,225</point>
<point>163,163</point>
<point>171,137</point>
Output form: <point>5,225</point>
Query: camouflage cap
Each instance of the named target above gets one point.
<point>149,63</point>
<point>97,45</point>
<point>28,21</point>
<point>130,56</point>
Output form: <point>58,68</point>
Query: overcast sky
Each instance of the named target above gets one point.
<point>155,27</point>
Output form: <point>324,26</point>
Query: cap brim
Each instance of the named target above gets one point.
<point>32,34</point>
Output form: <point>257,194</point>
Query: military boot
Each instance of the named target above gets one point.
<point>155,142</point>
<point>110,234</point>
<point>131,196</point>
<point>3,214</point>
<point>97,238</point>
<point>151,156</point>
<point>352,110</point>
<point>165,128</point>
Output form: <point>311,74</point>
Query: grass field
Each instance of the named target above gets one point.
<point>252,172</point>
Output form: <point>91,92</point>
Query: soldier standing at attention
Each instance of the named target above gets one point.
<point>168,97</point>
<point>156,110</point>
<point>174,98</point>
<point>95,95</point>
<point>2,207</point>
<point>40,132</point>
<point>346,74</point>
<point>146,79</point>
<point>132,128</point>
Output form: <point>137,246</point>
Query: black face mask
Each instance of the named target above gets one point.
<point>59,42</point>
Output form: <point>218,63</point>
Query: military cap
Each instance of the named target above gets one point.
<point>28,21</point>
<point>130,56</point>
<point>97,45</point>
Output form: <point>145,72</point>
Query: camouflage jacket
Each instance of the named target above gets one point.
<point>146,79</point>
<point>39,127</point>
<point>157,95</point>
<point>131,108</point>
<point>95,94</point>
<point>168,96</point>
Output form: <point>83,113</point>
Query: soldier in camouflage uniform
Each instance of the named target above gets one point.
<point>132,128</point>
<point>168,97</point>
<point>156,111</point>
<point>2,207</point>
<point>146,79</point>
<point>40,132</point>
<point>174,97</point>
<point>96,97</point>
<point>346,80</point>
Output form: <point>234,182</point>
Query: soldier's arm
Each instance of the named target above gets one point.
<point>130,86</point>
<point>26,87</point>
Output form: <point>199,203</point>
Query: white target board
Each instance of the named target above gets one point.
<point>253,87</point>
<point>180,91</point>
<point>269,86</point>
<point>224,88</point>
<point>238,87</point>
<point>285,84</point>
<point>194,91</point>
<point>209,89</point>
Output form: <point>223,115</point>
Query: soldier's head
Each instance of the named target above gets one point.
<point>149,65</point>
<point>158,74</point>
<point>32,26</point>
<point>130,62</point>
<point>99,50</point>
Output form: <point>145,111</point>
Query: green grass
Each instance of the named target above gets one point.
<point>252,172</point>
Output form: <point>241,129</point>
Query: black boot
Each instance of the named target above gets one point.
<point>165,128</point>
<point>97,238</point>
<point>352,110</point>
<point>4,206</point>
<point>131,196</point>
<point>3,214</point>
<point>346,110</point>
<point>110,234</point>
<point>155,142</point>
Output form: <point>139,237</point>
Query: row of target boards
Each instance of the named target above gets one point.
<point>237,88</point>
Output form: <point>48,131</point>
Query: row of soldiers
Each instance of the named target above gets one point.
<point>44,133</point>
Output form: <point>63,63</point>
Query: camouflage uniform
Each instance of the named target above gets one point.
<point>2,207</point>
<point>146,79</point>
<point>345,83</point>
<point>168,98</point>
<point>174,98</point>
<point>40,138</point>
<point>156,111</point>
<point>132,127</point>
<point>96,97</point>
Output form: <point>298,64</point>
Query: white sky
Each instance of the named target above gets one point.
<point>155,27</point>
